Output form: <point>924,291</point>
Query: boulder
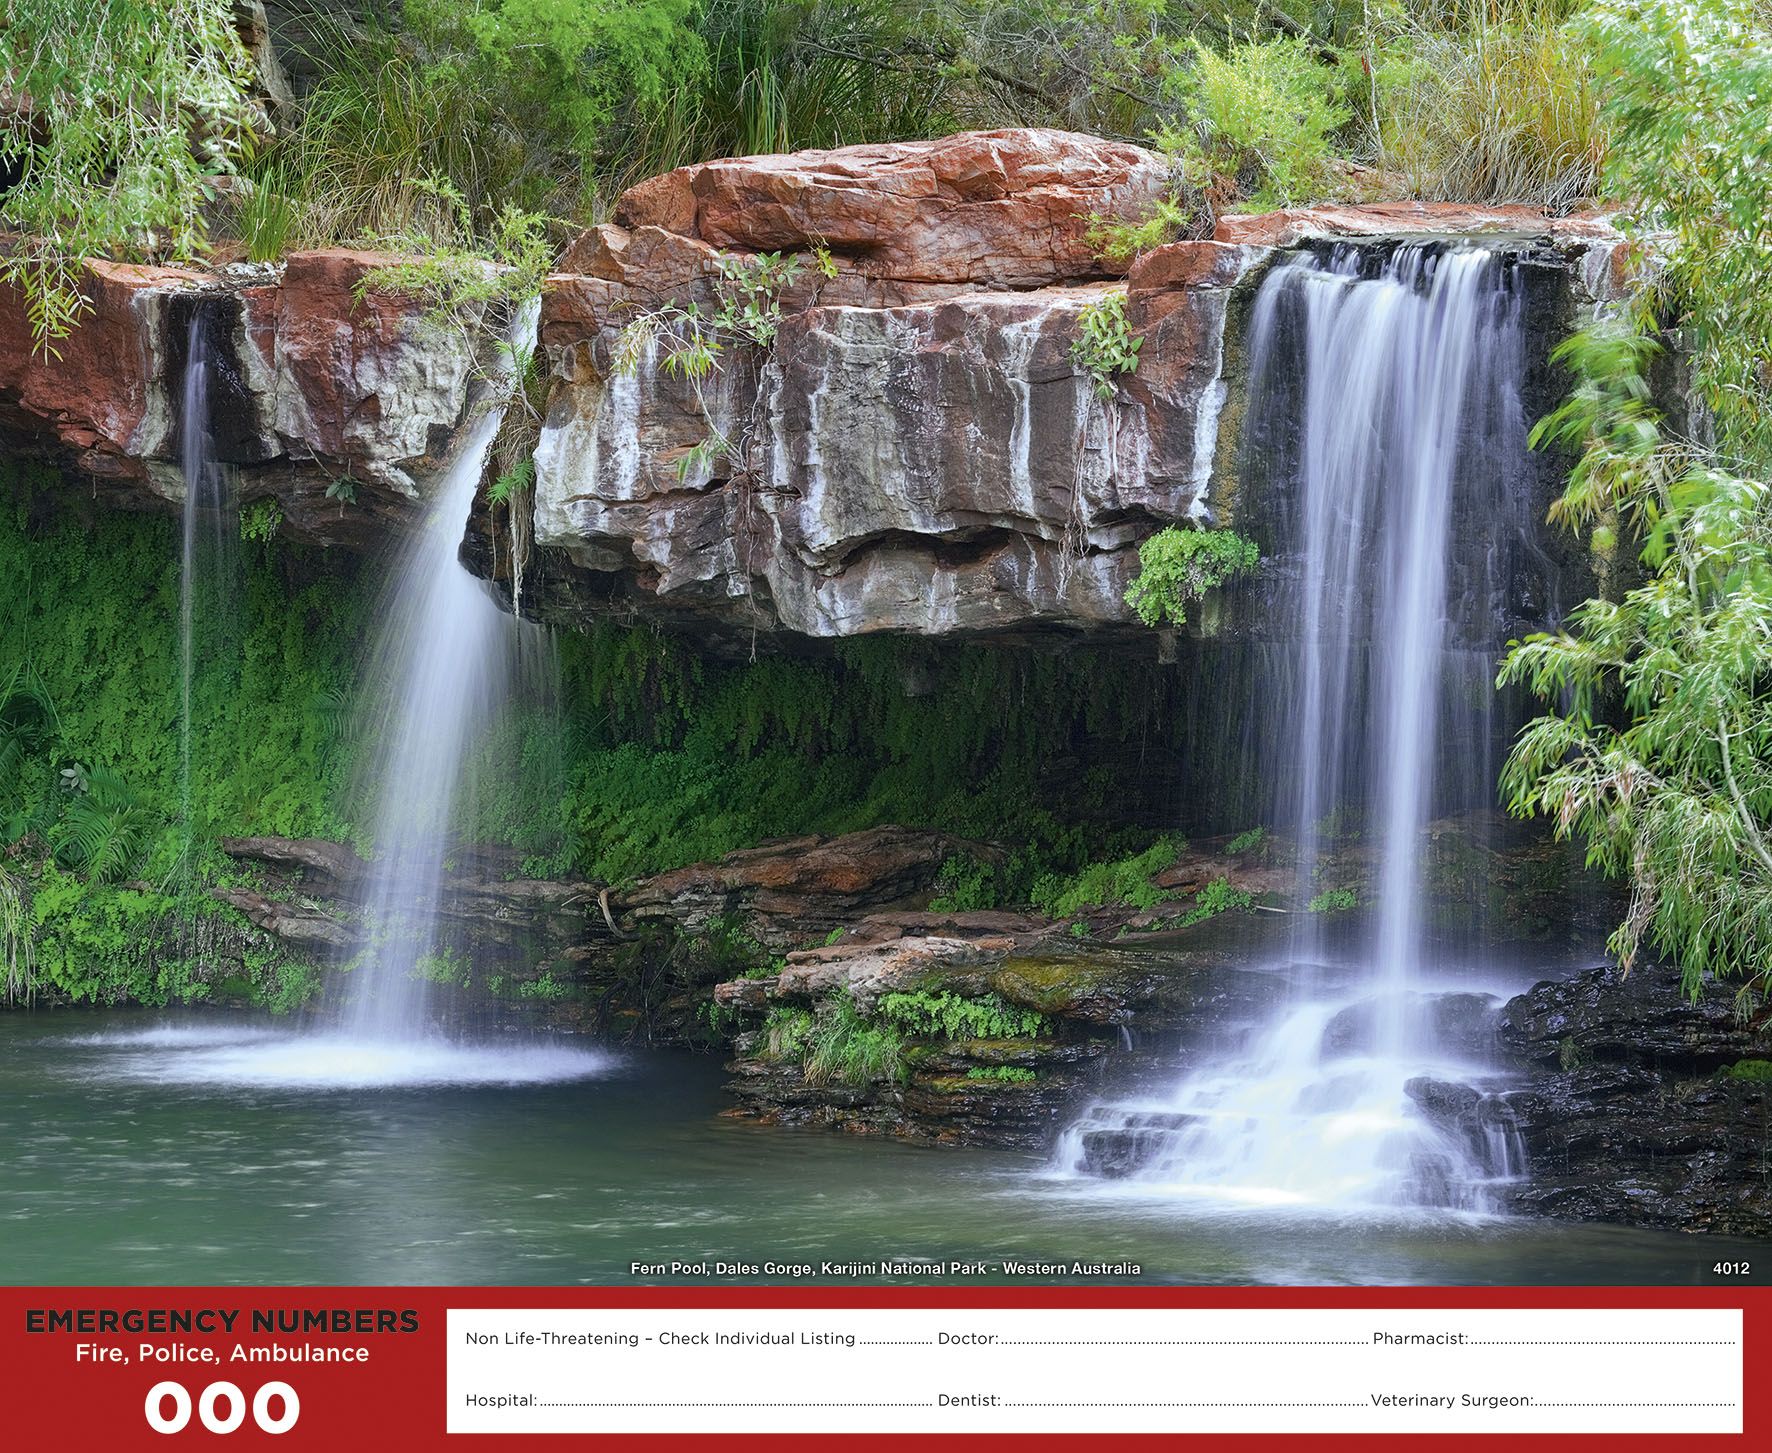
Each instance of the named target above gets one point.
<point>1007,209</point>
<point>787,890</point>
<point>865,972</point>
<point>294,923</point>
<point>1630,1114</point>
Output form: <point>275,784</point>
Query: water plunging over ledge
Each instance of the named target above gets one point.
<point>443,662</point>
<point>1409,416</point>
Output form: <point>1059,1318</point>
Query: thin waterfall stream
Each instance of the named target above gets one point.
<point>445,659</point>
<point>208,531</point>
<point>1352,1092</point>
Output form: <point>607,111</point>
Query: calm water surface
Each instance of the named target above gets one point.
<point>135,1148</point>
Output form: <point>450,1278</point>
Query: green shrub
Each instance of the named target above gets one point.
<point>1105,347</point>
<point>1755,1071</point>
<point>1655,745</point>
<point>1122,883</point>
<point>1246,842</point>
<point>1215,898</point>
<point>951,1016</point>
<point>446,966</point>
<point>1178,566</point>
<point>1260,118</point>
<point>505,101</point>
<point>1002,1074</point>
<point>966,884</point>
<point>1120,241</point>
<point>780,75</point>
<point>1334,900</point>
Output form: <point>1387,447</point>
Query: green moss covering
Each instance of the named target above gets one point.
<point>657,756</point>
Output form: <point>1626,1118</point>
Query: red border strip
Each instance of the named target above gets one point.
<point>396,1400</point>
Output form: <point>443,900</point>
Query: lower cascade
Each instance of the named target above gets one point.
<point>1403,419</point>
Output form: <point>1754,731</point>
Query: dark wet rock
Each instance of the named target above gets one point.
<point>1641,1017</point>
<point>1462,1024</point>
<point>296,924</point>
<point>1630,1114</point>
<point>1444,1102</point>
<point>1132,1146</point>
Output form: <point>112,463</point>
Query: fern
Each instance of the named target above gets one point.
<point>104,829</point>
<point>28,721</point>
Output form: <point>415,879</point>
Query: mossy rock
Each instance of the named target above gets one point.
<point>965,1085</point>
<point>1057,983</point>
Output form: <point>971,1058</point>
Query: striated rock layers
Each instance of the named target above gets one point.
<point>892,433</point>
<point>337,400</point>
<point>908,442</point>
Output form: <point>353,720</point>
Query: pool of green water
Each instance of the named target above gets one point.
<point>139,1148</point>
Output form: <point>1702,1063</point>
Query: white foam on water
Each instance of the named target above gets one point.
<point>273,1060</point>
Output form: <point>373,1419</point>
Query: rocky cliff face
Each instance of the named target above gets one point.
<point>319,384</point>
<point>915,448</point>
<point>899,439</point>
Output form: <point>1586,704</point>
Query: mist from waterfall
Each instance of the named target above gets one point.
<point>1392,379</point>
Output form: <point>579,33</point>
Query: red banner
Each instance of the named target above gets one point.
<point>363,1368</point>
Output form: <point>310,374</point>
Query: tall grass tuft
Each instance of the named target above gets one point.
<point>1491,101</point>
<point>383,118</point>
<point>18,968</point>
<point>782,75</point>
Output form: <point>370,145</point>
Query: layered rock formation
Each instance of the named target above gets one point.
<point>320,383</point>
<point>909,444</point>
<point>892,434</point>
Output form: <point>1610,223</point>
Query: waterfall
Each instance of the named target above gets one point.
<point>207,544</point>
<point>1385,388</point>
<point>441,667</point>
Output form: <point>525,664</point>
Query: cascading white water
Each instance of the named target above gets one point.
<point>441,657</point>
<point>1404,359</point>
<point>443,662</point>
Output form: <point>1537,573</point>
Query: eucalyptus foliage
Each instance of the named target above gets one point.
<point>121,117</point>
<point>1658,748</point>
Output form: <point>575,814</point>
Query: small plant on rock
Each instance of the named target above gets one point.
<point>1179,566</point>
<point>1246,842</point>
<point>843,1047</point>
<point>1002,1074</point>
<point>1215,898</point>
<point>952,1016</point>
<point>1105,347</point>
